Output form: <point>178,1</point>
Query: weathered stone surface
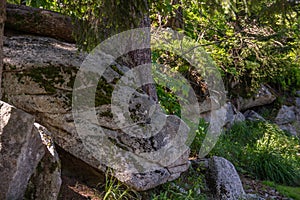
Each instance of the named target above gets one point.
<point>233,115</point>
<point>146,162</point>
<point>46,181</point>
<point>286,115</point>
<point>253,116</point>
<point>297,101</point>
<point>38,77</point>
<point>21,150</point>
<point>230,113</point>
<point>263,97</point>
<point>289,128</point>
<point>28,159</point>
<point>223,179</point>
<point>288,119</point>
<point>209,104</point>
<point>253,197</point>
<point>179,166</point>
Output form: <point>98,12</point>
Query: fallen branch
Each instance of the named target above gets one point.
<point>39,22</point>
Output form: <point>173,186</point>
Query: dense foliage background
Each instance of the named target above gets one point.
<point>252,42</point>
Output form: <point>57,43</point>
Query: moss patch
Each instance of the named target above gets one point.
<point>103,93</point>
<point>106,114</point>
<point>48,77</point>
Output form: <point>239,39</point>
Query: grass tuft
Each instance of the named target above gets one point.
<point>262,150</point>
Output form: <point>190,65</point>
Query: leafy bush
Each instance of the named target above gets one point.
<point>263,150</point>
<point>252,45</point>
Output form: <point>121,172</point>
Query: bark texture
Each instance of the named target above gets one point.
<point>175,21</point>
<point>142,56</point>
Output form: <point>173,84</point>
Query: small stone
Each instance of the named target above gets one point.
<point>253,116</point>
<point>46,181</point>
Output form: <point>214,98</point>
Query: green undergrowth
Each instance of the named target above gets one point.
<point>262,150</point>
<point>288,191</point>
<point>199,136</point>
<point>113,189</point>
<point>259,149</point>
<point>190,186</point>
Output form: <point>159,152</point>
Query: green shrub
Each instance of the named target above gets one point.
<point>262,150</point>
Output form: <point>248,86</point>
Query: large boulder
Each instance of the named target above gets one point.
<point>223,180</point>
<point>22,152</point>
<point>38,77</point>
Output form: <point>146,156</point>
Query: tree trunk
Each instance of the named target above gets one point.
<point>40,22</point>
<point>2,20</point>
<point>141,57</point>
<point>176,22</point>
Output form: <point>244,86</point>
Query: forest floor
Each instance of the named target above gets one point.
<point>73,189</point>
<point>252,186</point>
